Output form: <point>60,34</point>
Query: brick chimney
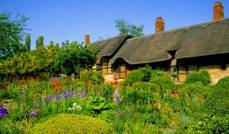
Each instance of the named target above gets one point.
<point>159,25</point>
<point>218,11</point>
<point>87,40</point>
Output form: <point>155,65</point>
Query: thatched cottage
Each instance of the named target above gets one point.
<point>193,48</point>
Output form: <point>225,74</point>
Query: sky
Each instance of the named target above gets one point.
<point>61,20</point>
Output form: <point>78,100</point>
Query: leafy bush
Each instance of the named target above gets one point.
<point>49,61</point>
<point>141,74</point>
<point>211,124</point>
<point>202,76</point>
<point>131,96</point>
<point>92,77</point>
<point>212,116</point>
<point>205,124</point>
<point>71,124</point>
<point>98,104</point>
<point>134,76</point>
<point>193,95</point>
<point>217,102</point>
<point>147,73</point>
<point>162,79</point>
<point>193,89</point>
<point>223,83</point>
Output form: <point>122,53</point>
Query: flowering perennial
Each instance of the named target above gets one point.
<point>66,95</point>
<point>3,112</point>
<point>116,96</point>
<point>33,113</point>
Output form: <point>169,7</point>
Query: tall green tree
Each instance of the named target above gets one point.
<point>40,42</point>
<point>51,43</point>
<point>12,31</point>
<point>28,42</point>
<point>57,45</point>
<point>130,29</point>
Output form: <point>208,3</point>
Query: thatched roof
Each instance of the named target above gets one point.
<point>110,46</point>
<point>199,40</point>
<point>148,49</point>
<point>205,39</point>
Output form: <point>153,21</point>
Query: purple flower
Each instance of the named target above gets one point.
<point>58,97</point>
<point>3,112</point>
<point>48,98</point>
<point>33,113</point>
<point>116,96</point>
<point>66,95</point>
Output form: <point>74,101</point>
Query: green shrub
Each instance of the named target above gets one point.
<point>202,76</point>
<point>217,102</point>
<point>223,83</point>
<point>71,124</point>
<point>147,73</point>
<point>92,77</point>
<point>134,76</point>
<point>212,116</point>
<point>162,79</point>
<point>193,88</point>
<point>141,74</point>
<point>205,124</point>
<point>193,95</point>
<point>98,104</point>
<point>131,96</point>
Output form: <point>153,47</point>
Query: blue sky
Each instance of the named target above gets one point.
<point>61,20</point>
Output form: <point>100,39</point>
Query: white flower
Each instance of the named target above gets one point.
<point>74,104</point>
<point>78,107</point>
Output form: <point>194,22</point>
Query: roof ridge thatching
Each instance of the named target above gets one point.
<point>145,49</point>
<point>110,46</point>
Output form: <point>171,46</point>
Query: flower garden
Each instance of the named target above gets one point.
<point>146,102</point>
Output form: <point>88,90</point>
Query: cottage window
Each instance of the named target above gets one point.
<point>121,73</point>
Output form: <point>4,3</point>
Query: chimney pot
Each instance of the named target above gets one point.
<point>218,11</point>
<point>87,39</point>
<point>159,25</point>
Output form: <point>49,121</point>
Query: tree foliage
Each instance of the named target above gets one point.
<point>49,61</point>
<point>12,31</point>
<point>40,42</point>
<point>51,43</point>
<point>28,42</point>
<point>126,28</point>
